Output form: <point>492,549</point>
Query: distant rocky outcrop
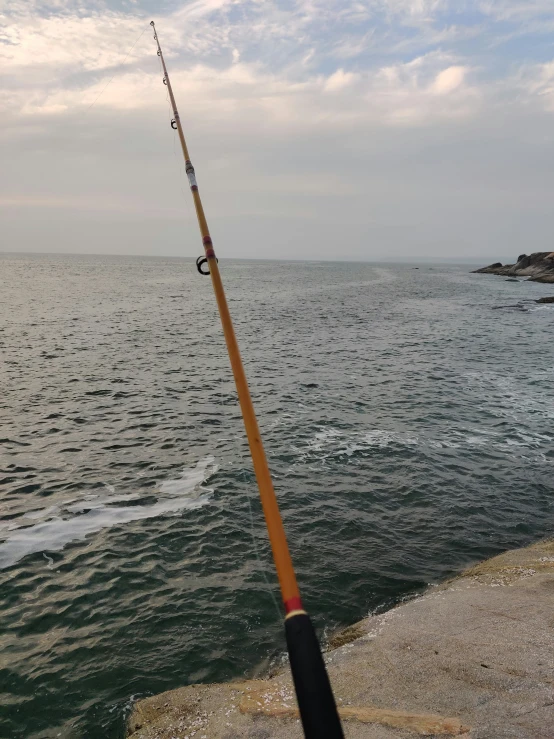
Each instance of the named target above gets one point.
<point>538,267</point>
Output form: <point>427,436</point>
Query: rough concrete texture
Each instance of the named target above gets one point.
<point>472,658</point>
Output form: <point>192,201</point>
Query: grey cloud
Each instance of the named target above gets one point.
<point>396,159</point>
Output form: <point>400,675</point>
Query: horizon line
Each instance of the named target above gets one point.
<point>353,260</point>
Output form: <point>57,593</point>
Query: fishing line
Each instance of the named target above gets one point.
<point>270,587</point>
<point>120,65</point>
<point>178,164</point>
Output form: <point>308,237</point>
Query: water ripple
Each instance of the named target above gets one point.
<point>408,426</point>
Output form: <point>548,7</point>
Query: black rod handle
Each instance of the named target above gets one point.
<point>316,702</point>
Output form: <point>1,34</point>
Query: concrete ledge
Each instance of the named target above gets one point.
<point>473,658</point>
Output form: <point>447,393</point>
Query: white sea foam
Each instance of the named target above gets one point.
<point>331,442</point>
<point>456,439</point>
<point>512,399</point>
<point>75,520</point>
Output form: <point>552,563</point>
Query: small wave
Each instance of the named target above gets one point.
<point>79,519</point>
<point>332,442</point>
<point>512,399</point>
<point>384,275</point>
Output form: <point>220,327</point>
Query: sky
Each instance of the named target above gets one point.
<point>319,129</point>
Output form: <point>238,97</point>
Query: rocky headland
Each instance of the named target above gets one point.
<point>538,267</point>
<point>471,658</point>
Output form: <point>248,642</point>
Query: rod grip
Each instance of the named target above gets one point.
<point>316,702</point>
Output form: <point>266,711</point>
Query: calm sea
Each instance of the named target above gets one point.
<point>408,416</point>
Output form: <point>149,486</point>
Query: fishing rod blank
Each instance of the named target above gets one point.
<point>315,698</point>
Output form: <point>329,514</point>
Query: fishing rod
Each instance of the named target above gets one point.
<point>315,698</point>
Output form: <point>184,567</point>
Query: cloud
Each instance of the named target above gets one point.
<point>339,80</point>
<point>425,9</point>
<point>449,79</point>
<point>414,97</point>
<point>536,83</point>
<point>68,41</point>
<point>518,10</point>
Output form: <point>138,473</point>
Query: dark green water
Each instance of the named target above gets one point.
<point>408,421</point>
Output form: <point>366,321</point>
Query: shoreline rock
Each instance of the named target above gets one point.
<point>473,657</point>
<point>538,267</point>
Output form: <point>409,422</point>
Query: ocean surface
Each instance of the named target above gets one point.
<point>408,417</point>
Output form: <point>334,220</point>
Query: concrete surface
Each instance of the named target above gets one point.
<point>472,658</point>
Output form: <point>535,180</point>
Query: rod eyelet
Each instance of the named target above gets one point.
<point>200,262</point>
